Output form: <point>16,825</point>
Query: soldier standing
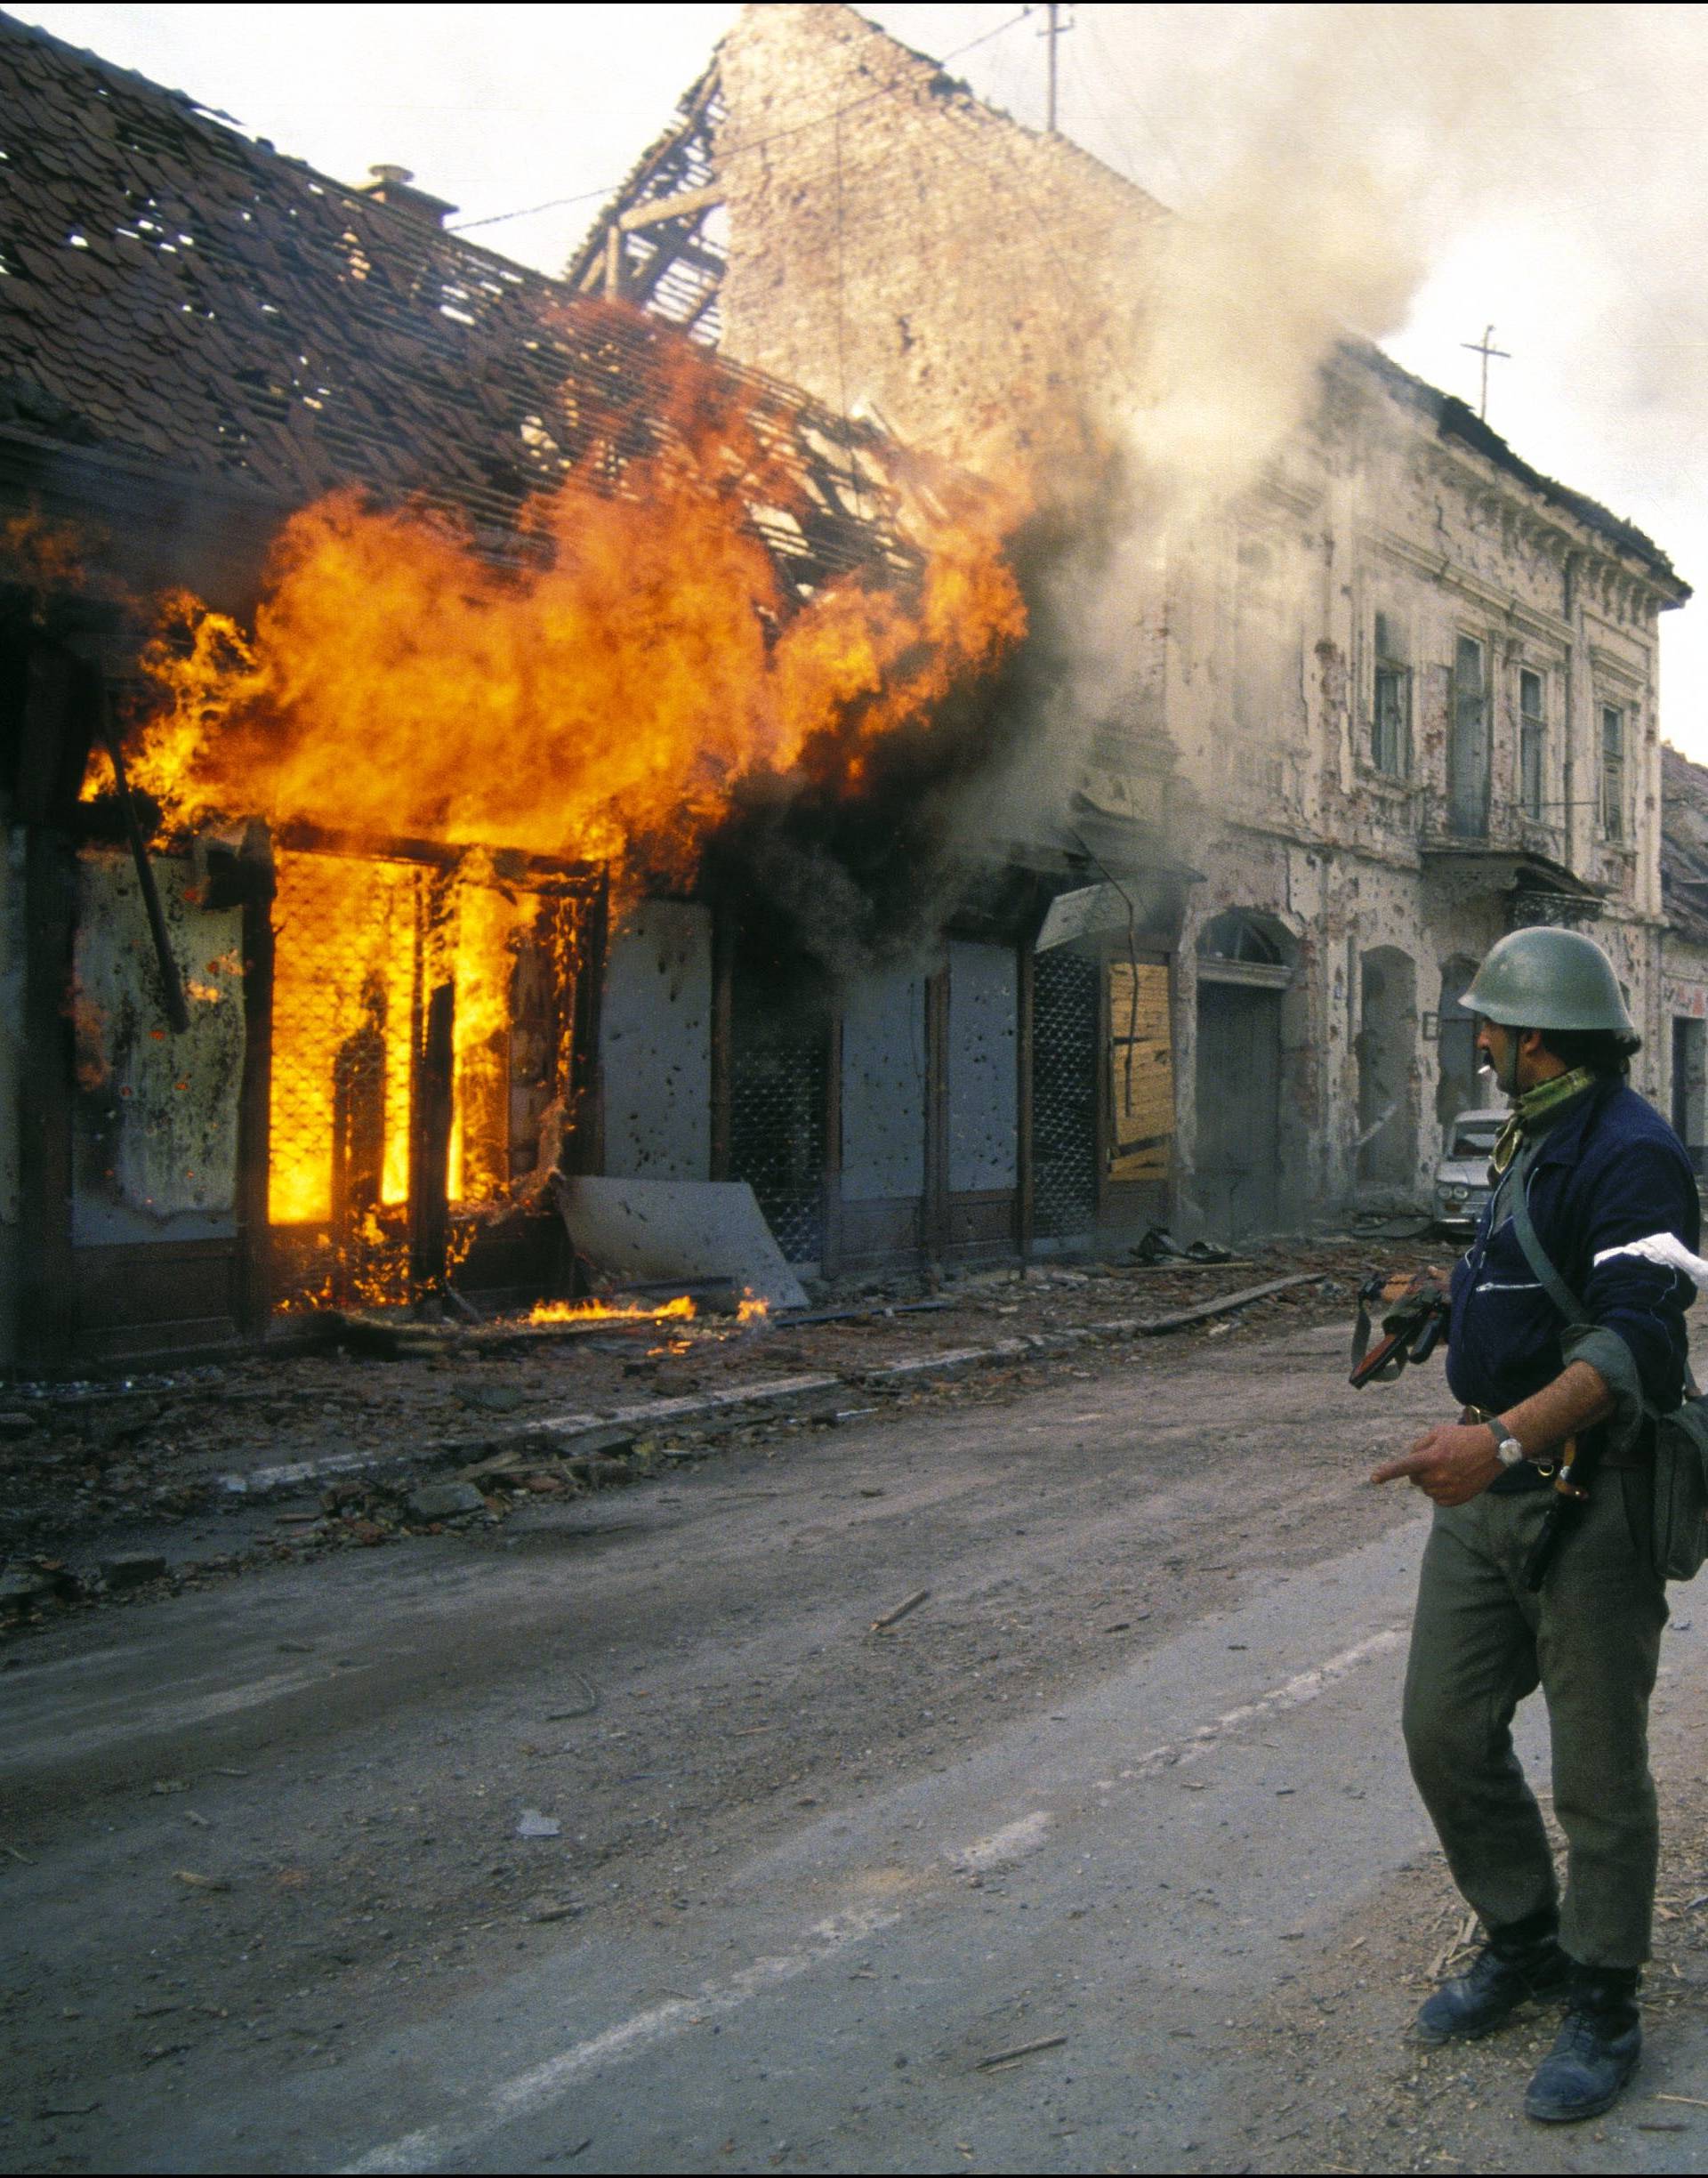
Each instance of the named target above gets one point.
<point>1598,1170</point>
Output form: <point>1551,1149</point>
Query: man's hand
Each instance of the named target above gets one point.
<point>1450,1464</point>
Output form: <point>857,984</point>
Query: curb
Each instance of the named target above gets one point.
<point>577,1433</point>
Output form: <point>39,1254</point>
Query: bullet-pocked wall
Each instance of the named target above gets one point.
<point>656,1044</point>
<point>885,1080</point>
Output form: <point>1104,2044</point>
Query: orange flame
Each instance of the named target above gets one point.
<point>603,701</point>
<point>681,1309</point>
<point>752,1311</point>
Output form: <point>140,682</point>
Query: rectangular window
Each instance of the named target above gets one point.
<point>1391,737</point>
<point>1613,771</point>
<point>1467,748</point>
<point>1531,728</point>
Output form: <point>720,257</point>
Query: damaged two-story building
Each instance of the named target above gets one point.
<point>1411,681</point>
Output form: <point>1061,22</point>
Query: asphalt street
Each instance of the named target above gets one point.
<point>1103,1856</point>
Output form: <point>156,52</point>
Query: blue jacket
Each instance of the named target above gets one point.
<point>1609,1170</point>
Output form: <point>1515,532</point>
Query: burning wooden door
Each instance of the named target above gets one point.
<point>380,960</point>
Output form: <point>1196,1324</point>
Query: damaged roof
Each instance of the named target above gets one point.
<point>1452,419</point>
<point>175,291</point>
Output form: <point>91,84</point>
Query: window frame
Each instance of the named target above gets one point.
<point>1612,760</point>
<point>1390,735</point>
<point>1533,743</point>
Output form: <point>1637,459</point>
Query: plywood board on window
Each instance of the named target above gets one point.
<point>1141,1071</point>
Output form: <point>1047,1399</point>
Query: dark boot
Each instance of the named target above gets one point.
<point>1595,2051</point>
<point>1518,1962</point>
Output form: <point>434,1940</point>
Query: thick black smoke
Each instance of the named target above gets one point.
<point>945,803</point>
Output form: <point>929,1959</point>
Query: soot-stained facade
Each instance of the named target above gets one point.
<point>1412,680</point>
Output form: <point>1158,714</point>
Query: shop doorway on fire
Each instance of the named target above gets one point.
<point>379,959</point>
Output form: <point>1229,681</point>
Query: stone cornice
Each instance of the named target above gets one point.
<point>1448,573</point>
<point>1550,529</point>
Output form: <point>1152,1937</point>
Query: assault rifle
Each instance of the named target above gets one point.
<point>1414,1315</point>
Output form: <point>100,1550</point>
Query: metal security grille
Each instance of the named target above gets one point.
<point>1064,1094</point>
<point>777,1082</point>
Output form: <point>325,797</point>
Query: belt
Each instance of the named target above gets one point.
<point>1542,1470</point>
<point>1638,1452</point>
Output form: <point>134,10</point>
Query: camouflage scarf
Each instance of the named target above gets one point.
<point>1537,1110</point>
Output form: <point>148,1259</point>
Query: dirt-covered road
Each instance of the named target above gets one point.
<point>615,1836</point>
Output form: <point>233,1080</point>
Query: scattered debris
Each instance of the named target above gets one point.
<point>200,1882</point>
<point>636,1230</point>
<point>908,1603</point>
<point>1021,2049</point>
<point>535,1824</point>
<point>1223,1302</point>
<point>133,1570</point>
<point>1160,1245</point>
<point>438,1501</point>
<point>590,1702</point>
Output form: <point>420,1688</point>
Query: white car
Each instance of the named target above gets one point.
<point>1462,1176</point>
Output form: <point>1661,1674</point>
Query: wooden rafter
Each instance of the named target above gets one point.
<point>651,243</point>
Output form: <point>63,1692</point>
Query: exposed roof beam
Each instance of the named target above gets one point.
<point>687,205</point>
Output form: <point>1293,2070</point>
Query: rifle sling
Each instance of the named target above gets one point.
<point>1537,1256</point>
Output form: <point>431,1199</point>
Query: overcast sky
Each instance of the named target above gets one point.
<point>1577,223</point>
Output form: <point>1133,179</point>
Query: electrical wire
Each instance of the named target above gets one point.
<point>610,189</point>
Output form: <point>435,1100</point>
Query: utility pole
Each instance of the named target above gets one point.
<point>1485,348</point>
<point>1053,30</point>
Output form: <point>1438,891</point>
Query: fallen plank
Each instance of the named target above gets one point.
<point>1223,1303</point>
<point>1020,2050</point>
<point>907,1603</point>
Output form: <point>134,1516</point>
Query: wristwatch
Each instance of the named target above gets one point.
<point>1508,1450</point>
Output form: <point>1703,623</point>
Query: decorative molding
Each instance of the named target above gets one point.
<point>1441,570</point>
<point>1609,665</point>
<point>1555,531</point>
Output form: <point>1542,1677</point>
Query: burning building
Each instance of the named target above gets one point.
<point>1411,681</point>
<point>458,732</point>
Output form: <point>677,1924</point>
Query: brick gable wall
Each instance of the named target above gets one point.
<point>893,241</point>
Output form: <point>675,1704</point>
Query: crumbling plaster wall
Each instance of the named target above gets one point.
<point>891,239</point>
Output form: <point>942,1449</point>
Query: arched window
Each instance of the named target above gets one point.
<point>1244,945</point>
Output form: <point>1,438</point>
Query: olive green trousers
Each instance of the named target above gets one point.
<point>1481,1640</point>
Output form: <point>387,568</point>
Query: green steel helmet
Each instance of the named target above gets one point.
<point>1548,979</point>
